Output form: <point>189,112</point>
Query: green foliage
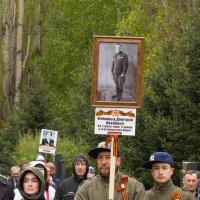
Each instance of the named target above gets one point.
<point>1,57</point>
<point>34,112</point>
<point>28,147</point>
<point>57,85</point>
<point>69,147</point>
<point>66,63</point>
<point>169,118</point>
<point>8,137</point>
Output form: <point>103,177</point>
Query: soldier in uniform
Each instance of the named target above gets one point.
<point>48,141</point>
<point>119,69</point>
<point>97,188</point>
<point>161,166</point>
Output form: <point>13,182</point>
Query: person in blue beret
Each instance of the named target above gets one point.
<point>161,166</point>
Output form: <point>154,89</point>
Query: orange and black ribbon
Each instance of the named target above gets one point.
<point>115,144</point>
<point>176,196</point>
<point>122,187</point>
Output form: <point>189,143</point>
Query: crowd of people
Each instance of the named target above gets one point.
<point>30,180</point>
<point>37,180</point>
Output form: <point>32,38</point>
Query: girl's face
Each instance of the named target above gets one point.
<point>31,184</point>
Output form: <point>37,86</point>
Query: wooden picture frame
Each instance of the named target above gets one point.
<point>117,77</point>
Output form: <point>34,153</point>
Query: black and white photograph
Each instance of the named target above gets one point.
<point>117,71</point>
<point>48,140</point>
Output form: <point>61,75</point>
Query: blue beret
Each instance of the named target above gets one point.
<point>159,157</point>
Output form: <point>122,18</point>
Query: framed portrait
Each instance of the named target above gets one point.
<point>48,140</point>
<point>117,71</point>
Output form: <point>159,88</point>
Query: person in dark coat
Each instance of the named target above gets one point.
<point>48,141</point>
<point>6,189</point>
<point>68,187</point>
<point>15,172</point>
<point>56,180</point>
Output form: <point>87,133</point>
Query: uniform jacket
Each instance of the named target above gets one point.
<point>168,191</point>
<point>97,188</point>
<point>50,142</point>
<point>120,63</point>
<point>68,187</point>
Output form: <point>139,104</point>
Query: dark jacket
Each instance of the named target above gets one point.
<point>6,190</point>
<point>68,187</point>
<point>56,181</point>
<point>40,176</point>
<point>120,63</point>
<point>12,182</point>
<point>50,142</point>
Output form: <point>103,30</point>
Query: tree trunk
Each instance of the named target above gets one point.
<point>8,48</point>
<point>38,41</point>
<point>19,59</point>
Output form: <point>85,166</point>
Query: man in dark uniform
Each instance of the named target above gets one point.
<point>119,69</point>
<point>48,141</point>
<point>161,166</point>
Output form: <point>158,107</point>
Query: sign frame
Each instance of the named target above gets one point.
<point>103,85</point>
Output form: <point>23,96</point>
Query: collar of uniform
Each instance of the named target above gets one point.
<point>104,179</point>
<point>118,176</point>
<point>164,187</point>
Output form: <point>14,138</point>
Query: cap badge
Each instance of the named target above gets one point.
<point>152,158</point>
<point>101,145</point>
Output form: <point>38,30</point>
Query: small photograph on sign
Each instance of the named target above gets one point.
<point>115,121</point>
<point>48,141</point>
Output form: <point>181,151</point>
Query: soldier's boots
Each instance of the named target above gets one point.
<point>114,96</point>
<point>117,94</point>
<point>118,98</point>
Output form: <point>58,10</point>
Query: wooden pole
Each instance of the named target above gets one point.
<point>112,172</point>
